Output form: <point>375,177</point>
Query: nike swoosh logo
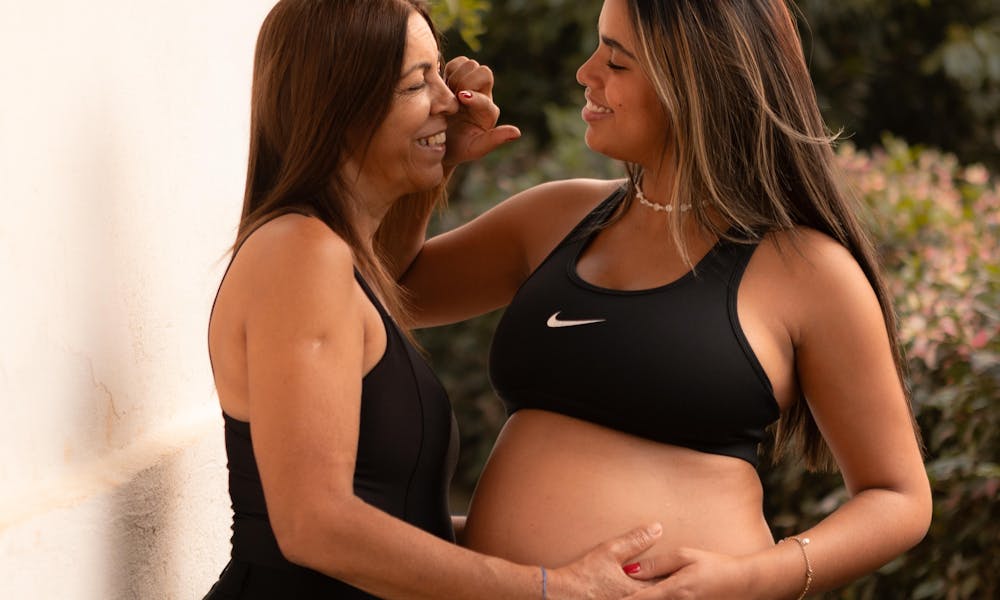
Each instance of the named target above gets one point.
<point>554,321</point>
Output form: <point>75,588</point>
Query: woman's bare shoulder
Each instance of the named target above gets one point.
<point>553,196</point>
<point>295,251</point>
<point>819,279</point>
<point>294,237</point>
<point>295,233</point>
<point>544,214</point>
<point>806,254</point>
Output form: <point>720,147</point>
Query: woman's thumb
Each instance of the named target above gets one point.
<point>505,133</point>
<point>635,542</point>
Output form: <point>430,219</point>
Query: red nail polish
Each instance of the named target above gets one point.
<point>632,569</point>
<point>466,95</point>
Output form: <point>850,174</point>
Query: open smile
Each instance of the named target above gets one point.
<point>433,141</point>
<point>593,111</point>
<point>598,108</point>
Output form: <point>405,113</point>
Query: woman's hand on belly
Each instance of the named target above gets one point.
<point>598,575</point>
<point>690,573</point>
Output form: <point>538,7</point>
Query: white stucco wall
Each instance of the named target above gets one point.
<point>123,130</point>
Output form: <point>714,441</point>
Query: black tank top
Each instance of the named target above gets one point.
<point>407,449</point>
<point>670,364</point>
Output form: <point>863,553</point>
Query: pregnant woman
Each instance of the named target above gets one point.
<point>659,325</point>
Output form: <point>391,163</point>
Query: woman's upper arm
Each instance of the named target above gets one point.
<point>478,267</point>
<point>847,372</point>
<point>305,345</point>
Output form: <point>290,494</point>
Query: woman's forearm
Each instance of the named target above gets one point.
<point>372,550</point>
<point>367,548</point>
<point>865,533</point>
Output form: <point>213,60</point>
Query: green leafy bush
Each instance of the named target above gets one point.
<point>464,17</point>
<point>938,226</point>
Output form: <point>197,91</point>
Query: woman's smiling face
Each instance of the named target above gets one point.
<point>405,152</point>
<point>625,118</point>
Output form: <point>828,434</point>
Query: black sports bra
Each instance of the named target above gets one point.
<point>670,364</point>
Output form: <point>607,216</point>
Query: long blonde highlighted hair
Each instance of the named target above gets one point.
<point>747,142</point>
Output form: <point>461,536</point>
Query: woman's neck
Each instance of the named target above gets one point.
<point>369,204</point>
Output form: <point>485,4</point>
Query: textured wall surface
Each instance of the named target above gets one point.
<point>123,131</point>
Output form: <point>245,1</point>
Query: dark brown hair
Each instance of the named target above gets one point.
<point>324,78</point>
<point>748,142</point>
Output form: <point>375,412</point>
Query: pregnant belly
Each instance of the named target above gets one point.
<point>554,487</point>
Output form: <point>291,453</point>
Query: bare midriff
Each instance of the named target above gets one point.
<point>554,487</point>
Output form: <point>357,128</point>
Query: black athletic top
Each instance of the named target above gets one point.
<point>407,449</point>
<point>670,364</point>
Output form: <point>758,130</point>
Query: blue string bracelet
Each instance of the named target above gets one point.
<point>544,584</point>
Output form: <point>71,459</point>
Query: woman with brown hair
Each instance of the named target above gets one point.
<point>340,440</point>
<point>659,325</point>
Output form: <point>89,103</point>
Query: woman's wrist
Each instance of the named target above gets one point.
<point>803,543</point>
<point>779,572</point>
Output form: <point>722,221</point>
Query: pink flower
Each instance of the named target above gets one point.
<point>980,339</point>
<point>977,175</point>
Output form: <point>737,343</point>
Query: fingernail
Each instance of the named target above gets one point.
<point>632,569</point>
<point>466,95</point>
<point>655,529</point>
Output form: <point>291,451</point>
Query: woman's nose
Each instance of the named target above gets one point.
<point>445,99</point>
<point>584,75</point>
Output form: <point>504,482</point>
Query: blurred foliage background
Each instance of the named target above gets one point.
<point>915,87</point>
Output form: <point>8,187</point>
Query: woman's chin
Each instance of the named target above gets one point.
<point>597,144</point>
<point>427,181</point>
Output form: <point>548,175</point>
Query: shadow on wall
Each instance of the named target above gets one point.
<point>169,525</point>
<point>143,522</point>
<point>149,522</point>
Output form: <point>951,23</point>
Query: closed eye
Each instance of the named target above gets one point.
<point>615,67</point>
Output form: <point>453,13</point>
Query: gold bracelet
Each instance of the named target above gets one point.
<point>803,542</point>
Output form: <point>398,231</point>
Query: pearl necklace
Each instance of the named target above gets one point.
<point>656,206</point>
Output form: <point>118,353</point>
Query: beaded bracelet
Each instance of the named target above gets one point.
<point>803,542</point>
